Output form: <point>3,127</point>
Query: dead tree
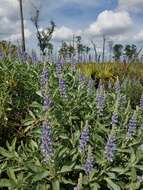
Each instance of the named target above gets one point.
<point>44,36</point>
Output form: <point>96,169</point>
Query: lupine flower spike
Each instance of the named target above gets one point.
<point>84,138</point>
<point>100,99</point>
<point>131,127</point>
<point>114,119</point>
<point>62,88</point>
<point>110,148</point>
<point>88,165</point>
<point>46,142</point>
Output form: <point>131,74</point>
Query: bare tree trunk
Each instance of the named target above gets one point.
<point>103,53</point>
<point>22,26</point>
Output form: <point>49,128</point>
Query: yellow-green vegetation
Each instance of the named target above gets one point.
<point>110,71</point>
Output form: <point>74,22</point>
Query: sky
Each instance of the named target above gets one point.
<point>120,21</point>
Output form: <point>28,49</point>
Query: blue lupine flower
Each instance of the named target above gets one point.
<point>84,138</point>
<point>131,127</point>
<point>34,57</point>
<point>46,142</point>
<point>62,88</point>
<point>117,86</point>
<point>88,167</point>
<point>58,68</point>
<point>90,87</point>
<point>114,119</point>
<point>141,102</point>
<point>100,99</point>
<point>110,148</point>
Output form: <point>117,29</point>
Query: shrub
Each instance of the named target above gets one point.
<point>86,139</point>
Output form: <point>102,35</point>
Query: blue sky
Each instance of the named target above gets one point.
<point>119,20</point>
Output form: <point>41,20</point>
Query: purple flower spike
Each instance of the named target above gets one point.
<point>100,99</point>
<point>88,165</point>
<point>131,127</point>
<point>84,138</point>
<point>110,148</point>
<point>46,142</point>
<point>62,88</point>
<point>114,119</point>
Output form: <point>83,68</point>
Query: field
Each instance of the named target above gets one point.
<point>70,127</point>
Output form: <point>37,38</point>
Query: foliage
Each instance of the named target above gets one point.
<point>18,83</point>
<point>96,138</point>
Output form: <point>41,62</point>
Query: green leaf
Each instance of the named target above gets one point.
<point>94,186</point>
<point>7,183</point>
<point>5,153</point>
<point>112,184</point>
<point>55,185</point>
<point>11,174</point>
<point>40,176</point>
<point>67,168</point>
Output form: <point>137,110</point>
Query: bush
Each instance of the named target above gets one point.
<point>89,139</point>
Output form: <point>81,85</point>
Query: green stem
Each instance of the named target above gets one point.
<point>55,184</point>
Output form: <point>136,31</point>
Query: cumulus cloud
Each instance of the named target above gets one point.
<point>139,37</point>
<point>65,33</point>
<point>10,19</point>
<point>110,23</point>
<point>130,5</point>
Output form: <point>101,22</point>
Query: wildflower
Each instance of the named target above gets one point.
<point>58,68</point>
<point>88,165</point>
<point>34,57</point>
<point>117,86</point>
<point>114,119</point>
<point>84,138</point>
<point>141,102</point>
<point>131,127</point>
<point>110,148</point>
<point>100,99</point>
<point>90,87</point>
<point>62,88</point>
<point>46,142</point>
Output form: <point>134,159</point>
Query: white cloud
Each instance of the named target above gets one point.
<point>130,5</point>
<point>110,23</point>
<point>139,37</point>
<point>65,33</point>
<point>17,36</point>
